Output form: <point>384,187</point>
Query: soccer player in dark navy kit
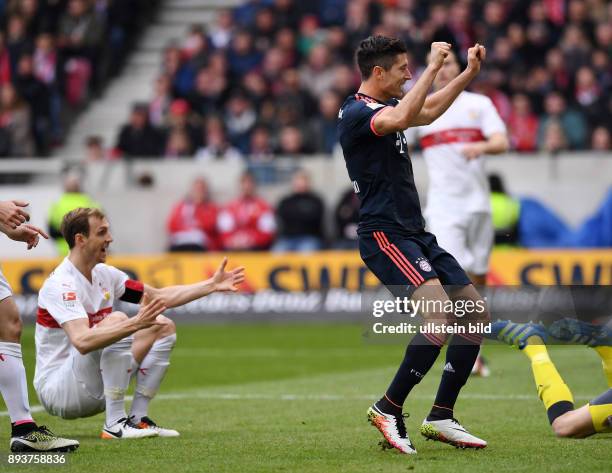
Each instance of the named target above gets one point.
<point>392,239</point>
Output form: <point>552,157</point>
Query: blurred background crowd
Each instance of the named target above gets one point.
<point>269,77</point>
<point>54,56</point>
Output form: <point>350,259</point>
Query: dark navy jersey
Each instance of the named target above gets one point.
<point>379,168</point>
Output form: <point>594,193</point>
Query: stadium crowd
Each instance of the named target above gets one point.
<point>269,76</point>
<point>54,55</point>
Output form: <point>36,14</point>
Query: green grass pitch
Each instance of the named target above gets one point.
<point>292,398</point>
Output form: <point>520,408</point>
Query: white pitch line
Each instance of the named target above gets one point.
<point>312,397</point>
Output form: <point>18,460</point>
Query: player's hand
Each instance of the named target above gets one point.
<point>439,51</point>
<point>12,213</point>
<point>476,54</point>
<point>148,312</point>
<point>228,280</point>
<point>27,233</point>
<point>473,150</point>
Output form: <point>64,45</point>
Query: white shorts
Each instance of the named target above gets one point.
<point>75,389</point>
<point>5,288</point>
<point>468,237</point>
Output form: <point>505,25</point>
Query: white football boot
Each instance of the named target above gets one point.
<point>452,432</point>
<point>147,423</point>
<point>393,429</point>
<point>125,429</point>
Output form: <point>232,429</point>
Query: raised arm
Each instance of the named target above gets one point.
<point>400,117</point>
<point>12,213</point>
<point>437,103</point>
<point>86,339</point>
<point>25,232</point>
<point>174,296</point>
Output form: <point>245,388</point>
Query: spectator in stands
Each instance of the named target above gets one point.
<point>600,140</point>
<point>346,217</point>
<point>523,124</point>
<point>300,217</point>
<point>36,94</point>
<point>260,150</point>
<point>317,75</point>
<point>179,119</point>
<point>221,32</point>
<point>159,105</point>
<point>324,125</point>
<point>192,223</point>
<point>217,145</point>
<point>94,149</point>
<point>209,92</point>
<point>242,55</point>
<point>72,198</point>
<point>80,36</point>
<point>45,70</point>
<point>17,41</point>
<point>240,117</point>
<point>15,118</point>
<point>178,144</point>
<point>292,143</point>
<point>247,223</point>
<point>555,139</point>
<point>573,125</point>
<point>138,138</point>
<point>5,61</point>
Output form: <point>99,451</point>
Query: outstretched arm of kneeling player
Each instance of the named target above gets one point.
<point>174,296</point>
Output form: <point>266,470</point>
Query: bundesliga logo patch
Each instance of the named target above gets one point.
<point>69,299</point>
<point>423,264</point>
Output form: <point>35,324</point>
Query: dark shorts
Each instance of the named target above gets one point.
<point>408,261</point>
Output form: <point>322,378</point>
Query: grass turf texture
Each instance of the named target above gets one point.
<point>292,398</point>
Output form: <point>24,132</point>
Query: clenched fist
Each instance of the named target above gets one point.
<point>438,53</point>
<point>476,55</point>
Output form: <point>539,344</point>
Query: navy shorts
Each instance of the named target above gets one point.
<point>408,261</point>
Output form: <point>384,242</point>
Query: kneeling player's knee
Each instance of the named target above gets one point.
<point>166,328</point>
<point>10,329</point>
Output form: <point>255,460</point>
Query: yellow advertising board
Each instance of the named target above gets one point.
<point>324,269</point>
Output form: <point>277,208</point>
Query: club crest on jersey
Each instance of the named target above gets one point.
<point>423,264</point>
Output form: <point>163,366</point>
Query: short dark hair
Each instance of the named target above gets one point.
<point>378,51</point>
<point>77,221</point>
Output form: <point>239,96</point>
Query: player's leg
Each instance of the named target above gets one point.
<point>553,392</point>
<point>26,436</point>
<point>151,353</point>
<point>461,353</point>
<point>390,260</point>
<point>599,337</point>
<point>115,366</point>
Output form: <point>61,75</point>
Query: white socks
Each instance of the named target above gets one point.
<point>150,375</point>
<point>13,384</point>
<point>115,363</point>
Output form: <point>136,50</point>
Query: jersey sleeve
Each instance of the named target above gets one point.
<point>62,302</point>
<point>491,121</point>
<point>360,118</point>
<point>126,289</point>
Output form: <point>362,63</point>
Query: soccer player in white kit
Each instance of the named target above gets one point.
<point>86,352</point>
<point>26,436</point>
<point>458,209</point>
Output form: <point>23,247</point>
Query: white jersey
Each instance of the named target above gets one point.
<point>67,295</point>
<point>457,185</point>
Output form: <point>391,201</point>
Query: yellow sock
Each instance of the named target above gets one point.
<point>550,385</point>
<point>600,409</point>
<point>606,361</point>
